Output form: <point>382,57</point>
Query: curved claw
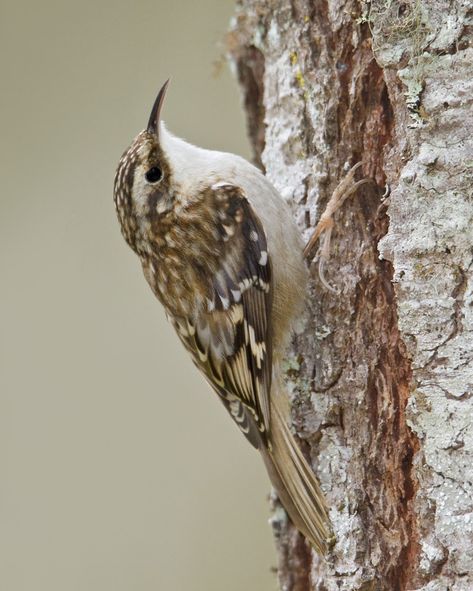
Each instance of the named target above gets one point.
<point>345,188</point>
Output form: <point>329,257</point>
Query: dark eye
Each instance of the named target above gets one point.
<point>154,174</point>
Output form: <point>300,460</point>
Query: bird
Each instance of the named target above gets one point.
<point>223,255</point>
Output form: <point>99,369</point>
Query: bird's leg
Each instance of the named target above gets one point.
<point>344,189</point>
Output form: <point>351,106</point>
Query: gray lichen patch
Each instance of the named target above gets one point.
<point>399,29</point>
<point>430,242</point>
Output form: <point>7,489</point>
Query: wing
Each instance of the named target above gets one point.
<point>229,334</point>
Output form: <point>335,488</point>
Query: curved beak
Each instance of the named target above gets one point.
<point>153,123</point>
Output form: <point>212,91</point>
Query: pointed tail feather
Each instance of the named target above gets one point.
<point>295,483</point>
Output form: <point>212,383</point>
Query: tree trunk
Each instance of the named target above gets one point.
<point>381,379</point>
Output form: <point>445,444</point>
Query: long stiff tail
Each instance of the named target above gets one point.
<point>295,483</point>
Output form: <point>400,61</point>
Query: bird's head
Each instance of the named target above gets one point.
<point>142,188</point>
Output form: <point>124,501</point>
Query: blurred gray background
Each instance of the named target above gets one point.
<point>119,468</point>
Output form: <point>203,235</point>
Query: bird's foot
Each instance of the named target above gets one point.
<point>346,187</point>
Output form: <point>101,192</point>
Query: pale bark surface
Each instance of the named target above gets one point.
<point>382,377</point>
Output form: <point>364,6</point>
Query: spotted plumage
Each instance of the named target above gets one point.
<point>208,228</point>
<point>227,329</point>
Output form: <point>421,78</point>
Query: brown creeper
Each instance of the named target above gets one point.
<point>222,254</point>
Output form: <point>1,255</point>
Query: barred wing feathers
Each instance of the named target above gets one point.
<point>229,335</point>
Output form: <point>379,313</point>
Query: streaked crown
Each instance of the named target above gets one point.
<point>142,181</point>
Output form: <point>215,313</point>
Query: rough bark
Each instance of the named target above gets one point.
<point>382,377</point>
